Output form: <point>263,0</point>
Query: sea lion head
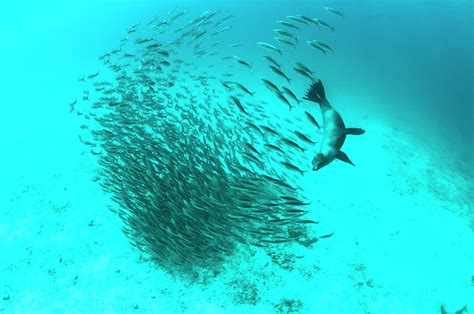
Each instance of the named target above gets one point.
<point>319,161</point>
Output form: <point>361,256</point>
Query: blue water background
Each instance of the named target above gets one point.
<point>401,69</point>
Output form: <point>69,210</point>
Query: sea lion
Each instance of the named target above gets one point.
<point>334,130</point>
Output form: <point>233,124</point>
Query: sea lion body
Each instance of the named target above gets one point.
<point>334,129</point>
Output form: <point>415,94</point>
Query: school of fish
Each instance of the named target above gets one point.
<point>186,150</point>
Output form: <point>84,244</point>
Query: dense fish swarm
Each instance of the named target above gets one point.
<point>196,171</point>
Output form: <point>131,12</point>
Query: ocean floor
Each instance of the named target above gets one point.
<point>403,243</point>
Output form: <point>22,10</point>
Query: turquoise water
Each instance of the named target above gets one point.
<point>402,219</point>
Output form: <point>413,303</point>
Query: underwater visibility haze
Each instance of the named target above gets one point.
<point>237,156</point>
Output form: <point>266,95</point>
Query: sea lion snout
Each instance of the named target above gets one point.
<point>318,161</point>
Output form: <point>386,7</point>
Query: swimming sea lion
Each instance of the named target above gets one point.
<point>334,133</point>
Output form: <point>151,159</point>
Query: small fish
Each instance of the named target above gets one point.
<point>239,104</point>
<point>72,106</point>
<point>292,144</point>
<point>326,236</point>
<point>225,18</point>
<point>272,61</point>
<point>93,75</point>
<point>283,99</point>
<point>242,87</point>
<point>242,62</point>
<point>142,41</point>
<point>291,94</point>
<point>221,30</point>
<point>334,11</point>
<point>270,130</point>
<point>235,45</point>
<point>323,23</point>
<point>271,86</point>
<point>313,44</point>
<point>307,19</point>
<point>297,18</point>
<point>312,119</point>
<point>251,157</point>
<point>284,41</point>
<point>132,29</point>
<point>288,24</point>
<point>86,142</point>
<point>297,211</point>
<point>292,167</point>
<point>303,67</point>
<point>274,147</point>
<point>290,198</point>
<point>255,127</point>
<point>252,148</point>
<point>286,34</point>
<point>304,73</point>
<point>269,47</point>
<point>296,203</point>
<point>324,45</point>
<point>153,46</point>
<point>304,137</point>
<point>279,72</point>
<point>227,84</point>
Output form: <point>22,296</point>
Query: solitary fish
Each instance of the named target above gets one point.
<point>272,61</point>
<point>334,11</point>
<point>221,30</point>
<point>242,87</point>
<point>308,19</point>
<point>284,41</point>
<point>286,34</point>
<point>269,47</point>
<point>274,147</point>
<point>292,167</point>
<point>279,72</point>
<point>239,104</point>
<point>291,94</point>
<point>72,106</point>
<point>315,45</point>
<point>93,75</point>
<point>324,45</point>
<point>292,144</point>
<point>270,85</point>
<point>335,131</point>
<point>287,24</point>
<point>303,67</point>
<point>297,18</point>
<point>304,73</point>
<point>270,130</point>
<point>252,148</point>
<point>323,23</point>
<point>283,99</point>
<point>312,119</point>
<point>242,62</point>
<point>304,137</point>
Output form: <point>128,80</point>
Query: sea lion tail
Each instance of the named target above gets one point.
<point>316,92</point>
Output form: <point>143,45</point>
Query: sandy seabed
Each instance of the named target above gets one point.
<point>403,243</point>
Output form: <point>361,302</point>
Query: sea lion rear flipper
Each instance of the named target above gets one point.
<point>343,157</point>
<point>355,131</point>
<point>463,310</point>
<point>316,92</point>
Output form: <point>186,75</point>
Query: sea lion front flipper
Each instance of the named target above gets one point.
<point>343,157</point>
<point>355,131</point>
